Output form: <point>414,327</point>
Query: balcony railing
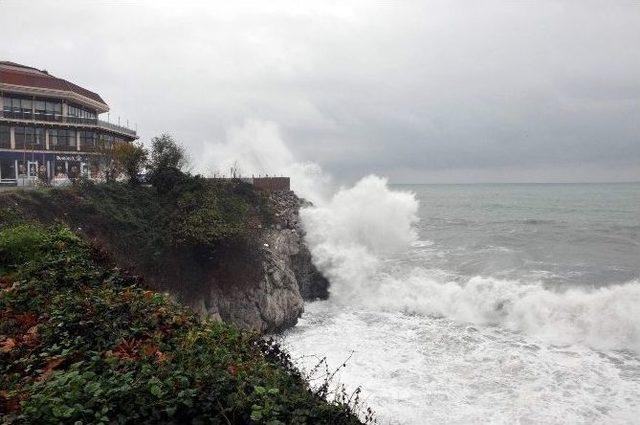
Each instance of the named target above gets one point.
<point>121,129</point>
<point>28,116</point>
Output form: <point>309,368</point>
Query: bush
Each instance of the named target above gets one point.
<point>82,342</point>
<point>27,242</point>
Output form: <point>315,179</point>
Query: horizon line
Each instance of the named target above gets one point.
<point>489,182</point>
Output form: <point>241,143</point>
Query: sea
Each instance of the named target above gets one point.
<point>480,303</point>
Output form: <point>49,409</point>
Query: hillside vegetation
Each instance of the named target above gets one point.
<point>82,342</point>
<point>177,239</point>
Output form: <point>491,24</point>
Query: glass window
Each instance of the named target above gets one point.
<point>5,137</point>
<point>72,139</point>
<point>60,168</point>
<point>39,139</point>
<point>7,169</point>
<point>53,139</point>
<point>53,110</point>
<point>30,137</point>
<point>87,140</point>
<point>18,107</point>
<point>24,136</point>
<point>73,168</point>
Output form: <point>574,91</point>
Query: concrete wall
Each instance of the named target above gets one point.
<point>272,184</point>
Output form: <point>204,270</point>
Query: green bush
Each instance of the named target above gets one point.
<point>28,242</point>
<point>81,342</point>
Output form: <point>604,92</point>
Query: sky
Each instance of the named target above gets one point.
<point>419,91</point>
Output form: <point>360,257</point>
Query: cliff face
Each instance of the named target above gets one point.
<point>271,297</point>
<point>259,284</point>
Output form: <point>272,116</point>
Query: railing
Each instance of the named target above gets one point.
<point>78,120</point>
<point>121,129</point>
<point>69,120</point>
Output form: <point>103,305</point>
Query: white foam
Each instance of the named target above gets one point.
<point>415,369</point>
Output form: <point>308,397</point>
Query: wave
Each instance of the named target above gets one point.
<point>603,318</point>
<point>353,236</point>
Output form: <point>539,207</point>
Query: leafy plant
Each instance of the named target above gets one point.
<point>82,342</point>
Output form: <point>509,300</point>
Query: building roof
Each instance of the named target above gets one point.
<point>21,75</point>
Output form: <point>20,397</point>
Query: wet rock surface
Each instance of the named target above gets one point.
<point>272,299</point>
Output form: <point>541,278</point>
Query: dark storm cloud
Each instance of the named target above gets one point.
<point>419,91</point>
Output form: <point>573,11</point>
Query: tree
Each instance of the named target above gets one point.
<point>105,161</point>
<point>168,160</point>
<point>130,159</point>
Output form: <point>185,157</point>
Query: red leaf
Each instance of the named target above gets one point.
<point>7,345</point>
<point>51,365</point>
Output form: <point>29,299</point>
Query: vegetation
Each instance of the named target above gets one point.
<point>82,342</point>
<point>131,159</point>
<point>163,236</point>
<point>168,160</point>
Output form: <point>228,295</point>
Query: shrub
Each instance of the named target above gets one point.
<point>28,242</point>
<point>82,342</point>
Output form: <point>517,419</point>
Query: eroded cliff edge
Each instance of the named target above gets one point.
<point>272,290</point>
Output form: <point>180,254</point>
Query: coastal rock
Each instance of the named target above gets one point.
<point>272,297</point>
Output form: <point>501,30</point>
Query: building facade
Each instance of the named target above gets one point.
<point>50,130</point>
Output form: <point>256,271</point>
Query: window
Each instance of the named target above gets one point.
<point>7,169</point>
<point>48,110</point>
<point>41,110</point>
<point>30,137</point>
<point>62,140</point>
<point>17,107</point>
<point>87,141</point>
<point>5,137</point>
<point>106,141</point>
<point>81,115</point>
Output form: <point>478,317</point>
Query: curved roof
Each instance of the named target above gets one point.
<point>14,74</point>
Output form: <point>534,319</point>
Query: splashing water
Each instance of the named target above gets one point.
<point>485,323</point>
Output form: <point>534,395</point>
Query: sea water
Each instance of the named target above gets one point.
<point>480,303</point>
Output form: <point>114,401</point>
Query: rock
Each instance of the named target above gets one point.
<point>272,298</point>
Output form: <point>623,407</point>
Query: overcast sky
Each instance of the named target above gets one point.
<point>425,91</point>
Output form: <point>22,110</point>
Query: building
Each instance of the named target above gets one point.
<point>50,129</point>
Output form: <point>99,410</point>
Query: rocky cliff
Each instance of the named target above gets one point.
<point>256,275</point>
<point>272,297</point>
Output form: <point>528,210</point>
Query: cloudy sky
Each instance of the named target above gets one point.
<point>424,91</point>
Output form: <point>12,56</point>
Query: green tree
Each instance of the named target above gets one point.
<point>130,158</point>
<point>167,164</point>
<point>105,161</point>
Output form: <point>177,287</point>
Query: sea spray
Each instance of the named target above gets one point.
<point>355,231</point>
<point>257,148</point>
